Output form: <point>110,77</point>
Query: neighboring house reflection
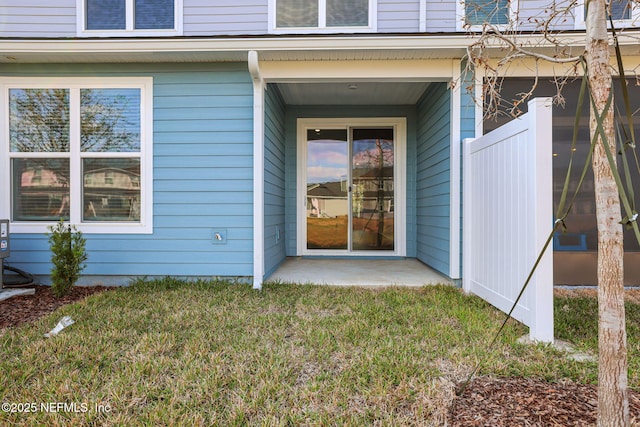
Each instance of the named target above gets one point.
<point>108,194</point>
<point>43,194</point>
<point>111,193</point>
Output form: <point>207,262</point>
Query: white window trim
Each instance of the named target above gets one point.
<point>322,18</point>
<point>400,175</point>
<point>82,31</point>
<point>634,21</point>
<point>145,84</point>
<point>461,15</point>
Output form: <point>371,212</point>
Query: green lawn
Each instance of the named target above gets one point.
<point>211,353</point>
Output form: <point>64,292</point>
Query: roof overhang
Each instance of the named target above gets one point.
<point>272,48</point>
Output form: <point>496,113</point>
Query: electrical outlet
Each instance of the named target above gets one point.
<point>219,236</point>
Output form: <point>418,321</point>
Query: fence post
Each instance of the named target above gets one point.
<point>540,118</point>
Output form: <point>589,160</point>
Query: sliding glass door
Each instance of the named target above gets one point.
<point>349,176</point>
<point>372,195</point>
<point>327,197</point>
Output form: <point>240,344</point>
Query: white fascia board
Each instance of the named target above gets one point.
<point>245,44</point>
<point>131,50</point>
<point>280,43</point>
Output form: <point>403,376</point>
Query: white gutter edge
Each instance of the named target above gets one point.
<point>258,169</point>
<point>262,44</point>
<point>279,43</point>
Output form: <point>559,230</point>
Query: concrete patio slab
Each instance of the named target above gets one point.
<point>357,272</point>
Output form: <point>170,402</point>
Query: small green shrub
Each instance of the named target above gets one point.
<point>68,255</point>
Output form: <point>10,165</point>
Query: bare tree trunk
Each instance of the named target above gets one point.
<point>613,404</point>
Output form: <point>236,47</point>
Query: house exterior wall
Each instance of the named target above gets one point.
<point>433,197</point>
<point>38,18</point>
<point>440,16</point>
<point>534,12</point>
<point>202,174</point>
<point>295,112</point>
<point>50,18</point>
<point>274,180</point>
<point>398,16</point>
<point>206,17</point>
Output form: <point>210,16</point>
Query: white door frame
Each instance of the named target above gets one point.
<point>400,176</point>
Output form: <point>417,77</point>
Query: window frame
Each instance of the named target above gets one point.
<point>461,21</point>
<point>75,84</point>
<point>322,24</point>
<point>633,21</point>
<point>83,31</point>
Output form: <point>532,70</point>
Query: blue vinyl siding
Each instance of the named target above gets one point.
<point>206,17</point>
<point>339,111</point>
<point>57,18</point>
<point>38,18</point>
<point>396,16</point>
<point>274,180</point>
<point>440,16</point>
<point>203,176</point>
<point>433,197</point>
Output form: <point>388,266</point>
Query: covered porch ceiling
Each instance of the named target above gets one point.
<point>352,93</point>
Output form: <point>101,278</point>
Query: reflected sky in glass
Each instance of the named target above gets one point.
<point>326,161</point>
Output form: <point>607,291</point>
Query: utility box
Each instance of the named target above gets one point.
<point>4,238</point>
<point>4,247</point>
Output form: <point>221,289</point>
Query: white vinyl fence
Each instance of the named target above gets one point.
<point>508,215</point>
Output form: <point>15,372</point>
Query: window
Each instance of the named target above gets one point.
<point>322,15</point>
<point>124,17</point>
<point>575,256</point>
<point>476,13</point>
<point>79,150</point>
<point>623,12</point>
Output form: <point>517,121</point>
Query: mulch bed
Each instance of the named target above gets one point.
<point>494,402</point>
<point>27,308</point>
<point>515,402</point>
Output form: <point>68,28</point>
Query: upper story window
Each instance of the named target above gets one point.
<point>109,18</point>
<point>474,14</point>
<point>77,149</point>
<point>322,15</point>
<point>625,13</point>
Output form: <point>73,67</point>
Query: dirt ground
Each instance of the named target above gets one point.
<point>27,308</point>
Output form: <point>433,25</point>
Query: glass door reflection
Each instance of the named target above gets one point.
<point>327,210</point>
<point>372,204</point>
<point>350,189</point>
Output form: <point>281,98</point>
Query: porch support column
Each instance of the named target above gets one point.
<point>454,171</point>
<point>258,169</point>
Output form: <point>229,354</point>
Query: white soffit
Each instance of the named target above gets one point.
<point>354,93</point>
